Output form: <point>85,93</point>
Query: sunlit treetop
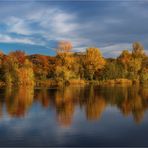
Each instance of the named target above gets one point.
<point>138,49</point>
<point>19,55</point>
<point>64,46</point>
<point>125,56</point>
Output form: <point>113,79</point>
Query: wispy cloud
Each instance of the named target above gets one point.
<point>18,26</point>
<point>42,26</point>
<point>9,39</point>
<point>115,50</point>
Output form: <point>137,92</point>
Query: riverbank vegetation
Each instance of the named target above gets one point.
<point>67,67</point>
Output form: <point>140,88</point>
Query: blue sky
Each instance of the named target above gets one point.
<point>37,26</point>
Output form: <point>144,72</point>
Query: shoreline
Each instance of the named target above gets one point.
<point>54,83</point>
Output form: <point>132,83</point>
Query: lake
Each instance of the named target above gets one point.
<point>74,116</point>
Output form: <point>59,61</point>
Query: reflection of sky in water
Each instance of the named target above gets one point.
<point>40,127</point>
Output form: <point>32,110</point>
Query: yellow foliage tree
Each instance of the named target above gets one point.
<point>25,74</point>
<point>93,61</point>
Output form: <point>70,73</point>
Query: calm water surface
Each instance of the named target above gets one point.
<point>74,116</point>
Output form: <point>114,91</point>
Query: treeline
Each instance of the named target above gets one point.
<point>17,68</point>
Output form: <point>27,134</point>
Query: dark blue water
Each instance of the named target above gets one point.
<point>74,116</point>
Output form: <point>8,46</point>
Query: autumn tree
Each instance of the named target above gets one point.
<point>10,70</point>
<point>19,55</point>
<point>64,46</point>
<point>93,61</point>
<point>144,71</point>
<point>134,68</point>
<point>144,75</point>
<point>25,74</point>
<point>132,62</point>
<point>1,67</point>
<point>135,64</point>
<point>138,50</point>
<point>125,58</point>
<point>64,55</point>
<point>62,74</point>
<point>66,61</point>
<point>112,70</point>
<point>78,66</point>
<point>17,69</point>
<point>41,66</point>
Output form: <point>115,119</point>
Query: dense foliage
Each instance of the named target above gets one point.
<point>17,68</point>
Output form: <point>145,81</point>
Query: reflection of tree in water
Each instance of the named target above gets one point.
<point>92,99</point>
<point>65,114</point>
<point>1,110</point>
<point>130,100</point>
<point>135,104</point>
<point>95,109</point>
<point>43,97</point>
<point>2,101</point>
<point>95,105</point>
<point>66,99</point>
<point>65,102</point>
<point>18,101</point>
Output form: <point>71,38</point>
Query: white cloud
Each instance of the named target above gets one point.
<point>109,50</point>
<point>52,24</point>
<point>17,25</point>
<point>54,21</point>
<point>61,23</point>
<point>115,50</point>
<point>9,39</point>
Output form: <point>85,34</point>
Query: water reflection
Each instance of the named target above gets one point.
<point>93,100</point>
<point>18,101</point>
